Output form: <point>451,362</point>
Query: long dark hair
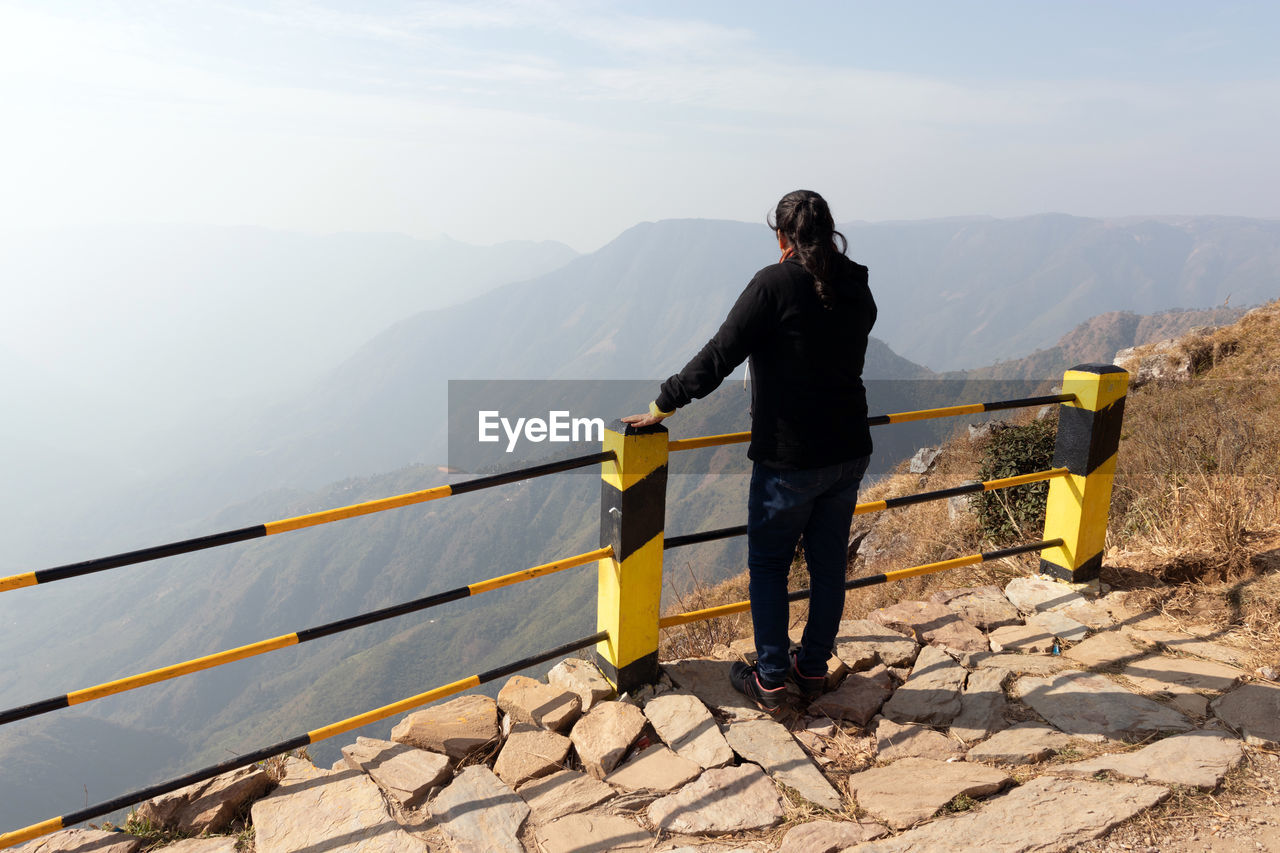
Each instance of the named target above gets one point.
<point>805,220</point>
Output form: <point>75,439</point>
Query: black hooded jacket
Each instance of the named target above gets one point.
<point>808,403</point>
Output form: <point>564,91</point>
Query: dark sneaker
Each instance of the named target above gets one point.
<point>744,679</point>
<point>810,686</point>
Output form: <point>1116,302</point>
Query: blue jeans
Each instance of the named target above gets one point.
<point>781,506</point>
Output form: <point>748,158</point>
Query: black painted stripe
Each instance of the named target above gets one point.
<point>1086,571</point>
<point>995,406</point>
<point>183,781</point>
<point>143,555</point>
<point>385,613</point>
<point>639,516</point>
<point>872,580</point>
<point>936,495</point>
<point>34,709</point>
<point>542,657</point>
<point>531,472</point>
<point>705,536</point>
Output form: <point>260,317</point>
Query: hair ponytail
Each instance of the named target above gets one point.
<point>805,220</point>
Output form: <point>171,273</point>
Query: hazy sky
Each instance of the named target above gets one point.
<point>574,120</point>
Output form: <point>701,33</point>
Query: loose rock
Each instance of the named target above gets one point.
<point>770,745</point>
<point>1166,674</point>
<point>1107,650</point>
<point>727,799</point>
<point>405,773</point>
<point>528,700</point>
<point>1198,759</point>
<point>931,694</point>
<point>1034,594</point>
<point>685,724</point>
<point>913,789</point>
<point>84,841</point>
<point>709,681</point>
<point>456,728</point>
<point>207,806</point>
<point>1058,624</point>
<point>1188,645</point>
<point>1021,638</point>
<point>603,735</point>
<point>1094,707</point>
<point>530,752</point>
<point>479,813</point>
<point>582,678</point>
<point>858,698</point>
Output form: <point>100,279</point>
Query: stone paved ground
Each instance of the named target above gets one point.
<point>933,742</point>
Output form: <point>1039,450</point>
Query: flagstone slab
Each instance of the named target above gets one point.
<point>861,643</point>
<point>1198,759</point>
<point>592,833</point>
<point>685,725</point>
<point>1025,743</point>
<point>913,789</point>
<point>1089,614</point>
<point>84,841</point>
<point>314,809</point>
<point>1168,674</point>
<point>207,806</point>
<point>563,792</point>
<point>931,623</point>
<point>479,813</point>
<point>894,741</point>
<point>982,705</point>
<point>932,692</point>
<point>213,844</point>
<point>1018,664</point>
<point>656,768</point>
<point>829,836</point>
<point>858,698</point>
<point>1106,650</point>
<point>1021,638</point>
<point>1254,711</point>
<point>983,606</point>
<point>1095,707</point>
<point>770,745</point>
<point>709,681</point>
<point>528,700</point>
<point>1035,594</point>
<point>727,799</point>
<point>1058,624</point>
<point>407,774</point>
<point>1186,644</point>
<point>1031,817</point>
<point>456,728</point>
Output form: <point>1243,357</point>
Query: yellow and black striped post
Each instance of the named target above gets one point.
<point>633,500</point>
<point>1088,438</point>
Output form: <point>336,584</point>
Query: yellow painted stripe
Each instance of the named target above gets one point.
<point>328,515</point>
<point>343,726</point>
<point>88,694</point>
<point>18,581</point>
<point>930,568</point>
<point>701,615</point>
<point>870,506</point>
<point>1023,479</point>
<point>708,441</point>
<point>9,839</point>
<point>544,569</point>
<point>927,414</point>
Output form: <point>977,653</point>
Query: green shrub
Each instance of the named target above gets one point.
<point>1015,514</point>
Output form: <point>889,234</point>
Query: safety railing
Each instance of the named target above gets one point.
<point>630,558</point>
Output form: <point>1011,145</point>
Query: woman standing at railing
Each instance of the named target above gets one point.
<point>803,324</point>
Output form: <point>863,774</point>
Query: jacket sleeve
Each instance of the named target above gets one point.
<point>750,320</point>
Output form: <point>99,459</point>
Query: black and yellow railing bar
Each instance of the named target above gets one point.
<point>887,503</point>
<point>708,441</point>
<point>133,682</point>
<point>9,839</point>
<point>870,580</point>
<point>284,525</point>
